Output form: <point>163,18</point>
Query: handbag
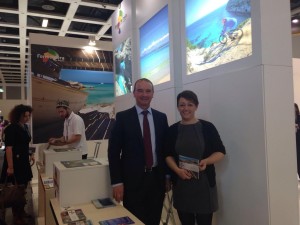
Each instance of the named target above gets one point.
<point>12,195</point>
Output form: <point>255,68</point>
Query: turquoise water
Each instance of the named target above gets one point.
<point>99,93</point>
<point>207,30</point>
<point>156,64</point>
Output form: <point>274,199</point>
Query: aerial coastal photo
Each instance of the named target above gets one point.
<point>217,32</point>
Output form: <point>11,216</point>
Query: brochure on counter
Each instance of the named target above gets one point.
<point>103,203</point>
<point>72,215</point>
<point>117,221</point>
<point>80,163</point>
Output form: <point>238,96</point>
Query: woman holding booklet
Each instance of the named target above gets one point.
<point>192,147</point>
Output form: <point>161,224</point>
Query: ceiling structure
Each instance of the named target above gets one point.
<point>295,15</point>
<point>70,18</point>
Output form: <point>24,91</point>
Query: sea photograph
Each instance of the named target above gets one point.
<point>217,32</point>
<point>155,48</point>
<point>123,68</point>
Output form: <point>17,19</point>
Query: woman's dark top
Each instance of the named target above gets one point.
<point>197,141</point>
<point>18,137</point>
<point>297,122</point>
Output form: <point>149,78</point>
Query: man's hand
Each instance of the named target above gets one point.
<point>52,141</point>
<point>32,159</point>
<point>118,192</point>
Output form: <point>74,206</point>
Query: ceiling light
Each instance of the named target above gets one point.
<point>89,49</point>
<point>47,5</point>
<point>45,23</point>
<point>295,20</point>
<point>92,41</point>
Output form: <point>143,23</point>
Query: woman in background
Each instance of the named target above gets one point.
<point>192,148</point>
<point>297,127</point>
<point>3,124</point>
<point>17,159</point>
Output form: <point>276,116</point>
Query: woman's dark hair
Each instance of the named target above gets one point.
<point>189,95</point>
<point>18,111</point>
<point>297,109</point>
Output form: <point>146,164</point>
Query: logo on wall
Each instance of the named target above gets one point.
<point>121,19</point>
<point>50,54</point>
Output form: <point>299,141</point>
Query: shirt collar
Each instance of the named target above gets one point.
<point>140,110</point>
<point>70,117</point>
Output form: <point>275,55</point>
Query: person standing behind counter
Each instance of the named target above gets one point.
<point>74,129</point>
<point>138,179</point>
<point>194,194</point>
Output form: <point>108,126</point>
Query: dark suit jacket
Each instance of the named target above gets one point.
<point>126,148</point>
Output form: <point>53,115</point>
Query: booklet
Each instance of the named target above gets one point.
<point>48,182</point>
<point>80,163</point>
<point>72,215</point>
<point>117,221</point>
<point>103,203</point>
<point>190,164</point>
<point>63,149</point>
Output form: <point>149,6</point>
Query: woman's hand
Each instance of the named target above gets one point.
<point>184,174</point>
<point>32,159</point>
<point>10,171</point>
<point>202,165</point>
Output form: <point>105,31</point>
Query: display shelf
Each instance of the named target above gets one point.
<point>58,154</point>
<point>87,181</point>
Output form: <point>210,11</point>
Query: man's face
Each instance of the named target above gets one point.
<point>143,94</point>
<point>62,112</point>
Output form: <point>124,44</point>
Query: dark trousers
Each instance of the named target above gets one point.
<point>191,218</point>
<point>298,151</point>
<point>146,202</point>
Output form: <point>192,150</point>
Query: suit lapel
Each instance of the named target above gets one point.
<point>135,123</point>
<point>156,125</point>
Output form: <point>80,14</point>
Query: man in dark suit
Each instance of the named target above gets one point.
<point>141,187</point>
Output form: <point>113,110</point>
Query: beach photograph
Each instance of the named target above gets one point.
<point>217,32</point>
<point>155,48</point>
<point>85,79</point>
<point>123,68</point>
